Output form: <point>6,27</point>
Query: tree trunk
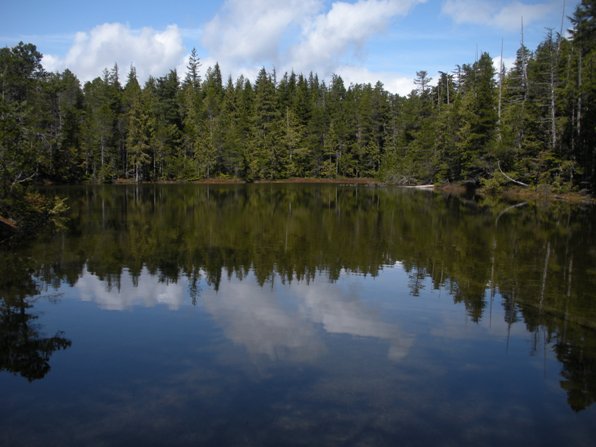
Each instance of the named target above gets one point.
<point>517,182</point>
<point>579,97</point>
<point>8,222</point>
<point>544,274</point>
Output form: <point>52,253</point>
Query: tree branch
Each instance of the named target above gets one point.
<point>8,222</point>
<point>517,182</point>
<point>517,205</point>
<point>19,179</point>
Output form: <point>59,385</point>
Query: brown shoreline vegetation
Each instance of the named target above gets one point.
<point>538,195</point>
<point>516,193</point>
<point>333,181</point>
<point>237,181</point>
<point>512,193</point>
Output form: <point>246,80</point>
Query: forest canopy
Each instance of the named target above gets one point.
<point>532,124</point>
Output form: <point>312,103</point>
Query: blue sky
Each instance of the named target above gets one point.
<point>362,40</point>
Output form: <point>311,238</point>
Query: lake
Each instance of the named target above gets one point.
<point>274,315</point>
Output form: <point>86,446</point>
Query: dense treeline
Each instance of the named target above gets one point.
<point>533,123</point>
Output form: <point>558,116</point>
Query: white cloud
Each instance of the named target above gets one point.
<point>146,291</point>
<point>510,16</point>
<point>469,11</point>
<point>344,312</point>
<point>152,52</point>
<point>298,35</point>
<point>255,317</point>
<point>499,14</point>
<point>283,322</point>
<point>294,35</point>
<point>508,62</point>
<point>393,82</point>
<point>250,31</point>
<point>345,27</point>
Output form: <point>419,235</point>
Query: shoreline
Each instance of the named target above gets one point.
<point>513,193</point>
<point>236,181</point>
<point>568,197</point>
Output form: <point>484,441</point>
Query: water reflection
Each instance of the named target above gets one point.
<point>294,274</point>
<point>285,324</point>
<point>276,320</point>
<point>125,291</point>
<point>24,350</point>
<point>264,322</point>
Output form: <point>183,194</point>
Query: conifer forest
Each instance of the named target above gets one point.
<point>289,258</point>
<point>533,124</point>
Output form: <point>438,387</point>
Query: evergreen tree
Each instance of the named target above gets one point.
<point>167,137</point>
<point>536,127</point>
<point>209,147</point>
<point>20,71</point>
<point>583,38</point>
<point>140,125</point>
<point>479,118</point>
<point>270,159</point>
<point>31,138</point>
<point>191,108</point>
<point>514,130</point>
<point>245,106</point>
<point>230,158</point>
<point>193,78</point>
<point>59,110</point>
<point>100,135</point>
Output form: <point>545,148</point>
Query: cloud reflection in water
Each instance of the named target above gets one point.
<point>278,321</point>
<point>126,292</point>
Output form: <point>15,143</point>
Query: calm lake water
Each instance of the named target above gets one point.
<point>300,315</point>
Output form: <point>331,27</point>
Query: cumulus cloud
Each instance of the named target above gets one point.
<point>392,82</point>
<point>283,324</point>
<point>344,312</point>
<point>508,63</point>
<point>152,52</point>
<point>346,26</point>
<point>300,35</point>
<point>146,291</point>
<point>257,319</point>
<point>250,31</point>
<point>499,14</point>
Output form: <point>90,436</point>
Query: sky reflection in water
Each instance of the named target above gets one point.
<point>336,357</point>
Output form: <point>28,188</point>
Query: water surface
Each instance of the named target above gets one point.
<point>300,315</point>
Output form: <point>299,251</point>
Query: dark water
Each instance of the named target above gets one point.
<point>300,315</point>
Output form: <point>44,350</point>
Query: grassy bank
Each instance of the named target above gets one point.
<point>291,180</point>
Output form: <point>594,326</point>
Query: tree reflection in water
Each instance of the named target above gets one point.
<point>539,259</point>
<point>23,349</point>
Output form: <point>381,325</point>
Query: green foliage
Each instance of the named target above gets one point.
<point>494,185</point>
<point>31,140</point>
<point>28,212</point>
<point>536,122</point>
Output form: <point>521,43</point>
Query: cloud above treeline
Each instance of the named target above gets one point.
<point>300,35</point>
<point>151,52</point>
<point>499,14</point>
